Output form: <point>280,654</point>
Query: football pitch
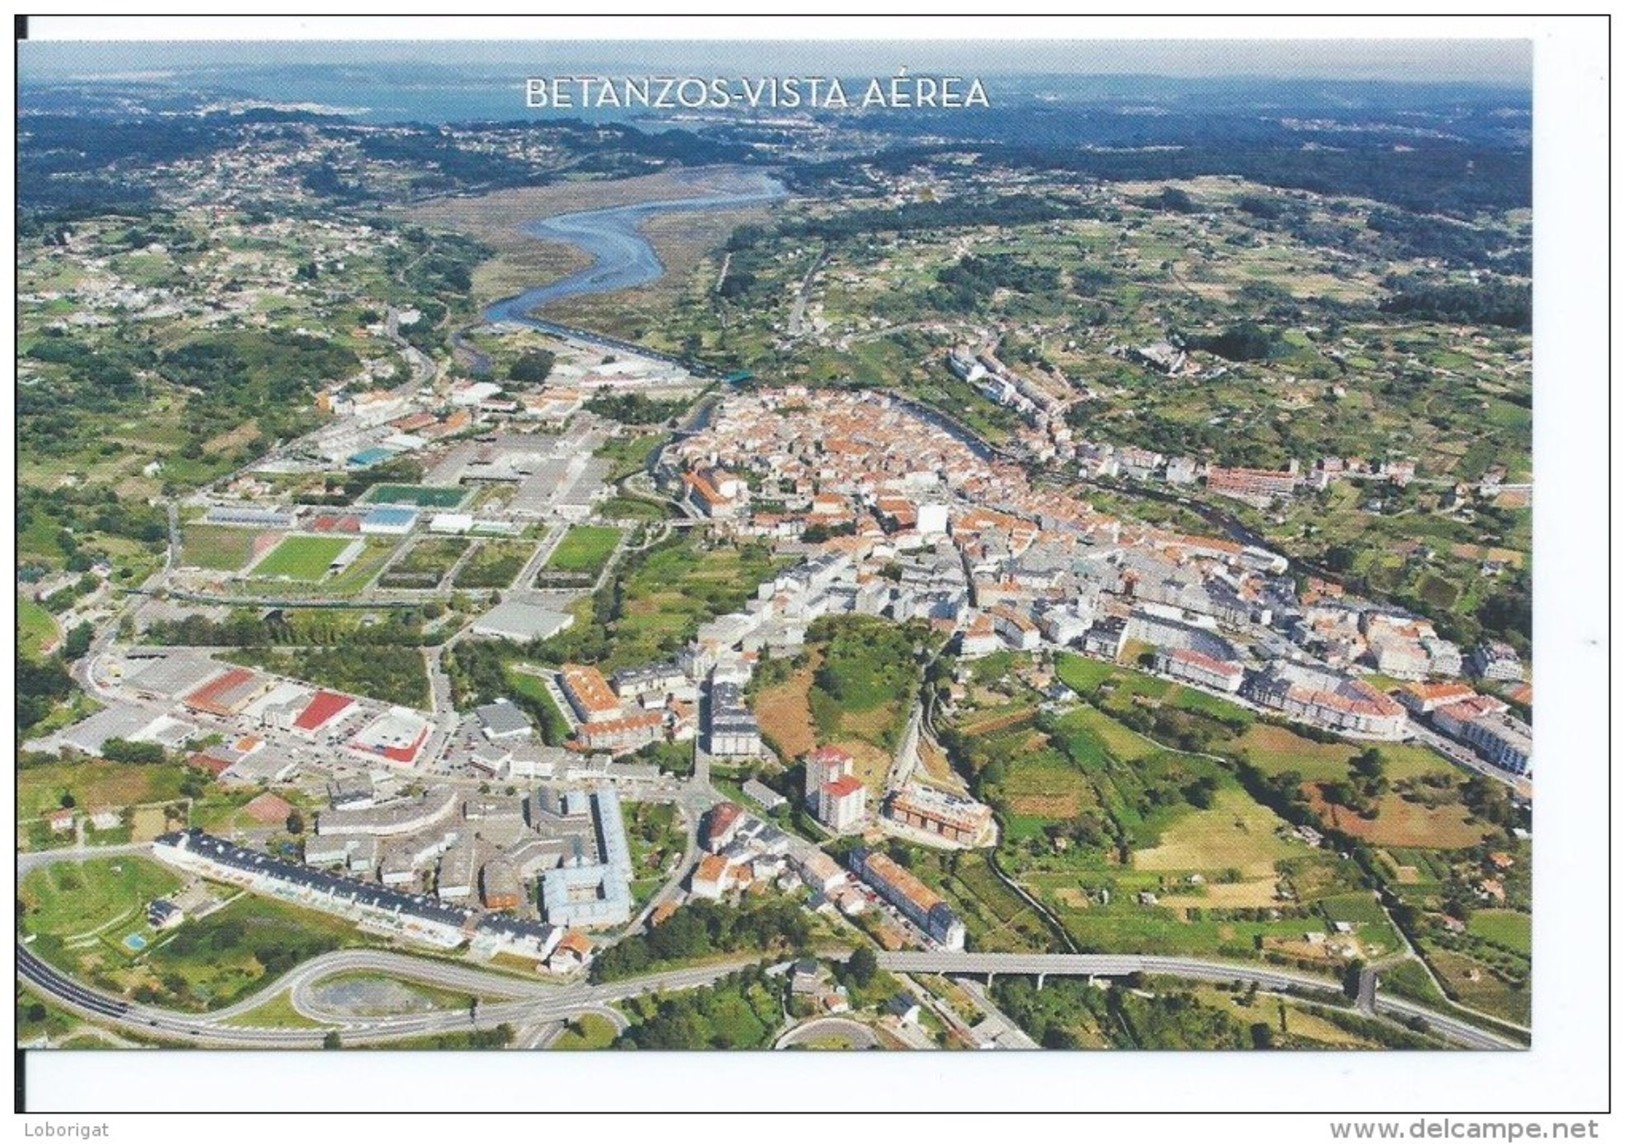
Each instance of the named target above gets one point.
<point>302,557</point>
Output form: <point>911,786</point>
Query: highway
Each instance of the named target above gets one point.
<point>527,1002</point>
<point>520,1002</point>
<point>1119,965</point>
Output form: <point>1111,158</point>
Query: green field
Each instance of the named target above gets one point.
<point>301,558</point>
<point>1002,919</point>
<point>629,454</point>
<point>95,783</point>
<point>1410,978</point>
<point>1421,871</point>
<point>1126,926</point>
<point>588,1031</point>
<point>632,508</point>
<point>494,564</point>
<point>1096,679</point>
<point>555,727</point>
<point>1188,699</point>
<point>212,962</point>
<point>584,549</point>
<point>425,564</point>
<point>358,574</point>
<point>1270,747</point>
<point>76,902</point>
<point>1503,927</point>
<point>864,685</point>
<point>1478,987</point>
<point>217,547</point>
<point>1371,922</point>
<point>1031,782</point>
<point>1274,749</point>
<point>1093,815</point>
<point>220,810</point>
<point>1360,909</point>
<point>1122,742</point>
<point>1086,675</point>
<point>277,1013</point>
<point>36,628</point>
<point>420,496</point>
<point>1236,833</point>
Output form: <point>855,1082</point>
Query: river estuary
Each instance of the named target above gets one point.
<point>622,257</point>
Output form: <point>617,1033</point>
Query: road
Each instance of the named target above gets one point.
<point>539,1002</point>
<point>907,756</point>
<point>1120,965</point>
<point>693,799</point>
<point>34,859</point>
<point>997,1027</point>
<point>796,327</point>
<point>857,1033</point>
<point>538,559</point>
<point>1464,757</point>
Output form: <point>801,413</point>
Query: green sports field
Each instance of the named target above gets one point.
<point>216,546</point>
<point>423,496</point>
<point>584,549</point>
<point>302,557</point>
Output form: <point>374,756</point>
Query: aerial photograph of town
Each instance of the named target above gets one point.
<point>677,547</point>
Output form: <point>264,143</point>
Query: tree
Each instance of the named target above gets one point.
<point>863,965</point>
<point>1351,978</point>
<point>124,751</point>
<point>296,822</point>
<point>1366,769</point>
<point>1056,1037</point>
<point>331,1040</point>
<point>532,366</point>
<point>1263,1036</point>
<point>77,642</point>
<point>1368,764</point>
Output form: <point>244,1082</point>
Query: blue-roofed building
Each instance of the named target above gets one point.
<point>593,889</point>
<point>369,457</point>
<point>389,521</point>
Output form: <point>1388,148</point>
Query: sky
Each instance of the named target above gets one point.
<point>1495,61</point>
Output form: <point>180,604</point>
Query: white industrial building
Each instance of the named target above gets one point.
<point>454,523</point>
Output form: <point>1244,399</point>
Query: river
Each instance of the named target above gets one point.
<point>621,256</point>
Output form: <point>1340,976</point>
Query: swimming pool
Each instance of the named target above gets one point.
<point>135,943</point>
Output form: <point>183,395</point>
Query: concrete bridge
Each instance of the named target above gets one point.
<point>1042,965</point>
